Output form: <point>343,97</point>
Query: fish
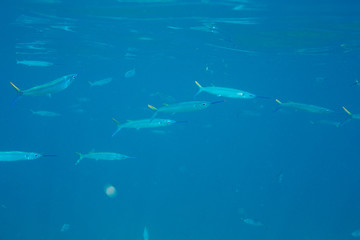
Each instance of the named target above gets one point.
<point>101,82</point>
<point>130,73</point>
<point>253,222</point>
<point>191,106</point>
<point>19,156</point>
<point>355,83</point>
<point>45,113</point>
<point>305,107</point>
<point>356,233</point>
<point>225,92</point>
<point>145,234</point>
<point>327,122</point>
<point>49,88</point>
<point>109,156</point>
<point>31,63</point>
<point>65,227</point>
<point>144,123</point>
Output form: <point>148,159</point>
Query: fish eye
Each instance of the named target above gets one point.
<point>35,155</point>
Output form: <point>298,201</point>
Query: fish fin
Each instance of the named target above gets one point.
<point>116,121</point>
<point>200,90</point>
<point>15,99</point>
<point>153,116</point>
<point>118,129</point>
<point>80,157</point>
<point>278,101</point>
<point>152,107</point>
<point>198,84</point>
<point>347,111</point>
<point>17,89</point>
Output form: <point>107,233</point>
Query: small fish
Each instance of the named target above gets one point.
<point>45,113</point>
<point>253,222</point>
<point>49,88</point>
<point>356,83</point>
<point>18,156</point>
<point>145,234</point>
<point>101,82</point>
<point>182,107</point>
<point>225,92</point>
<point>304,107</point>
<point>131,73</point>
<point>65,227</point>
<point>35,63</point>
<point>144,123</point>
<point>356,233</point>
<point>109,156</point>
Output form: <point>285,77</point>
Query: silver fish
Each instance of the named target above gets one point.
<point>191,106</point>
<point>18,156</point>
<point>101,82</point>
<point>253,222</point>
<point>49,88</point>
<point>225,92</point>
<point>130,73</point>
<point>356,233</point>
<point>144,123</point>
<point>45,113</point>
<point>110,156</point>
<point>304,107</point>
<point>31,63</point>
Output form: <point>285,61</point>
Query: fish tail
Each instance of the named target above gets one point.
<point>17,89</point>
<point>198,84</point>
<point>81,156</point>
<point>152,107</point>
<point>200,88</point>
<point>118,129</point>
<point>347,111</point>
<point>348,118</point>
<point>153,116</point>
<point>91,84</point>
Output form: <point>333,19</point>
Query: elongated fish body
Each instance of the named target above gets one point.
<point>253,222</point>
<point>46,113</point>
<point>49,88</point>
<point>101,82</point>
<point>225,92</point>
<point>35,63</point>
<point>143,123</point>
<point>18,156</point>
<point>304,107</point>
<point>108,156</point>
<point>351,115</point>
<point>181,107</point>
<point>145,234</point>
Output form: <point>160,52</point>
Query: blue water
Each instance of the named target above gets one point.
<point>201,179</point>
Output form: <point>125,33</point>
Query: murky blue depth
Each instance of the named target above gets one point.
<point>243,168</point>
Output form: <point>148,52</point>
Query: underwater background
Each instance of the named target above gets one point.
<point>241,169</point>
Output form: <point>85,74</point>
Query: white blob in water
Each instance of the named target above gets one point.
<point>110,191</point>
